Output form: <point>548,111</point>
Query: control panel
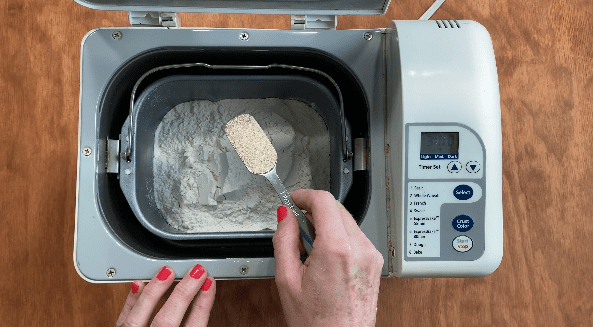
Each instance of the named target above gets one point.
<point>445,188</point>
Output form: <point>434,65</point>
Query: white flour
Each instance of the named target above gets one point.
<point>201,184</point>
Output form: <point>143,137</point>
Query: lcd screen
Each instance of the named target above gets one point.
<point>439,145</point>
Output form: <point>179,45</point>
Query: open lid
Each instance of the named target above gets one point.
<point>289,7</point>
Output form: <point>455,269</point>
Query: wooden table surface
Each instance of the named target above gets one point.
<point>544,56</point>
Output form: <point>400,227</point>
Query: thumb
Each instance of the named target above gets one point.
<point>286,247</point>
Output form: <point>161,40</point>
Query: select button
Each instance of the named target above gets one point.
<point>463,192</point>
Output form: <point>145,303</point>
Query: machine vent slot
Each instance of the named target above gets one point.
<point>447,24</point>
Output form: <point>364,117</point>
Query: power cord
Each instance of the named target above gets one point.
<point>431,10</point>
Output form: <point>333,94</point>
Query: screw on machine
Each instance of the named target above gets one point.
<point>244,270</point>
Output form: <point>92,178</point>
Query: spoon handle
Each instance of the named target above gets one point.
<point>288,202</point>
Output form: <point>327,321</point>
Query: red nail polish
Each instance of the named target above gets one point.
<point>207,284</point>
<point>197,272</point>
<point>281,212</point>
<point>135,288</point>
<point>163,274</point>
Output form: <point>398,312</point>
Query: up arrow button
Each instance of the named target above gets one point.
<point>454,167</point>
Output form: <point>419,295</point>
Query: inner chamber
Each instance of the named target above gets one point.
<point>114,109</point>
<point>201,185</point>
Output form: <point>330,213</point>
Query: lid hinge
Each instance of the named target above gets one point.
<point>154,18</point>
<point>313,22</point>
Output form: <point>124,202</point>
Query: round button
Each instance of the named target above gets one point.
<point>473,166</point>
<point>454,167</point>
<point>463,192</point>
<point>463,223</point>
<point>462,243</point>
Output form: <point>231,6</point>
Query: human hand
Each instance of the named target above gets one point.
<point>338,285</point>
<point>142,300</point>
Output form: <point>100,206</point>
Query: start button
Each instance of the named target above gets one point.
<point>462,243</point>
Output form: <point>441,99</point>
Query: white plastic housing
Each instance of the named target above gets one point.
<point>443,72</point>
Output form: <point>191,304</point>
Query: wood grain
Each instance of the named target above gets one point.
<point>544,55</point>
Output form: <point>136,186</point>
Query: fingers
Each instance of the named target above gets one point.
<point>286,242</point>
<point>202,305</point>
<point>349,223</point>
<point>151,294</point>
<point>132,298</point>
<point>174,309</point>
<point>326,215</point>
<point>356,234</point>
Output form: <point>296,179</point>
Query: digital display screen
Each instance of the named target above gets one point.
<point>437,145</point>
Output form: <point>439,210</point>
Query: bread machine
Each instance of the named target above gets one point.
<point>413,112</point>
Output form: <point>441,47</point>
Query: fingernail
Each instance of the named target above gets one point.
<point>281,212</point>
<point>197,272</point>
<point>207,284</point>
<point>135,288</point>
<point>163,274</point>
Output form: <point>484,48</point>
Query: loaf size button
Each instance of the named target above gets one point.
<point>462,243</point>
<point>463,223</point>
<point>463,192</point>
